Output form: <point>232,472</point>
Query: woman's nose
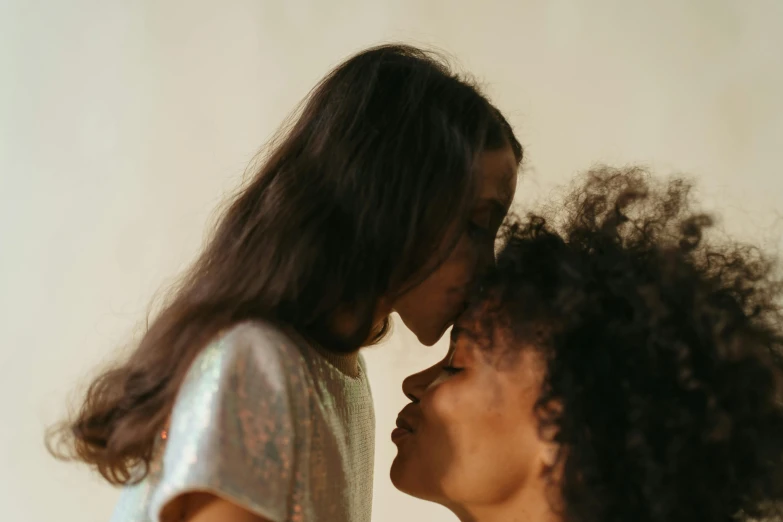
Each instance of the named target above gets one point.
<point>414,386</point>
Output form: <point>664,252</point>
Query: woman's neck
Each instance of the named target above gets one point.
<point>527,505</point>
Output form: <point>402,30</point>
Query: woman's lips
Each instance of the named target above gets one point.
<point>402,430</point>
<point>403,424</point>
<point>399,433</point>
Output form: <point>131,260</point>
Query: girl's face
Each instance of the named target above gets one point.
<point>469,438</point>
<point>431,307</point>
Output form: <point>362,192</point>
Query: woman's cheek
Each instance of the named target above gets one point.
<point>447,404</point>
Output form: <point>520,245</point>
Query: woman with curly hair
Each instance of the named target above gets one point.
<point>617,366</point>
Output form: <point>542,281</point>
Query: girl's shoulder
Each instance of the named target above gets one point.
<point>251,366</point>
<point>260,337</point>
<point>233,428</point>
<point>253,347</point>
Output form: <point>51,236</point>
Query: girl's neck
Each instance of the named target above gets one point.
<point>347,363</point>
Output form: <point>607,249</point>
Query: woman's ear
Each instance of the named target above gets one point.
<point>549,454</point>
<point>549,448</point>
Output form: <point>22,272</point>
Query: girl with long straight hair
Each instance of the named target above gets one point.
<point>247,399</point>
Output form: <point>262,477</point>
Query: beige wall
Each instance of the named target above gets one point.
<point>123,123</point>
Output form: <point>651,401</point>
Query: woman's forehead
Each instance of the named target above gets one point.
<point>486,327</point>
<point>478,331</point>
<point>476,323</point>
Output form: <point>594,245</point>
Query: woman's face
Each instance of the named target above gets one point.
<point>469,437</point>
<point>431,307</point>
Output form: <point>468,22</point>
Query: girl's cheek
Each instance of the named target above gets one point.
<point>464,255</point>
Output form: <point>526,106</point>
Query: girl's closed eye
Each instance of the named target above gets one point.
<point>480,224</point>
<point>479,233</point>
<point>486,221</point>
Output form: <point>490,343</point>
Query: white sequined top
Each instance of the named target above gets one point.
<point>267,422</point>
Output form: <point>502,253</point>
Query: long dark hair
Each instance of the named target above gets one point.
<point>352,201</point>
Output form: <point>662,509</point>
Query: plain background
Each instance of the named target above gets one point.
<point>123,124</point>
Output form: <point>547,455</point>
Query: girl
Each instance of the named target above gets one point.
<point>246,399</point>
<point>616,367</point>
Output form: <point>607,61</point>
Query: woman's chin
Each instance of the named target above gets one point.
<point>400,479</point>
<point>396,474</point>
<point>411,483</point>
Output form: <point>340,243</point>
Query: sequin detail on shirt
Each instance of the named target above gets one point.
<point>266,422</point>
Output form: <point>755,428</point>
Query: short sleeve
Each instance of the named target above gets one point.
<point>233,428</point>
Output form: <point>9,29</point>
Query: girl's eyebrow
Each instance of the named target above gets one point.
<point>506,195</point>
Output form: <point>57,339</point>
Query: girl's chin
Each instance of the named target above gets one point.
<point>430,338</point>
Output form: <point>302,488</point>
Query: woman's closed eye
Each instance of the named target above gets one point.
<point>448,367</point>
<point>451,370</point>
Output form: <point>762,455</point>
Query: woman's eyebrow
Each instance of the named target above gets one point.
<point>461,331</point>
<point>456,332</point>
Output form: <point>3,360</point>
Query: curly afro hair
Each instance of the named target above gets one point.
<point>664,352</point>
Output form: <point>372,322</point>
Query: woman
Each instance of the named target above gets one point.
<point>246,399</point>
<point>617,366</point>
